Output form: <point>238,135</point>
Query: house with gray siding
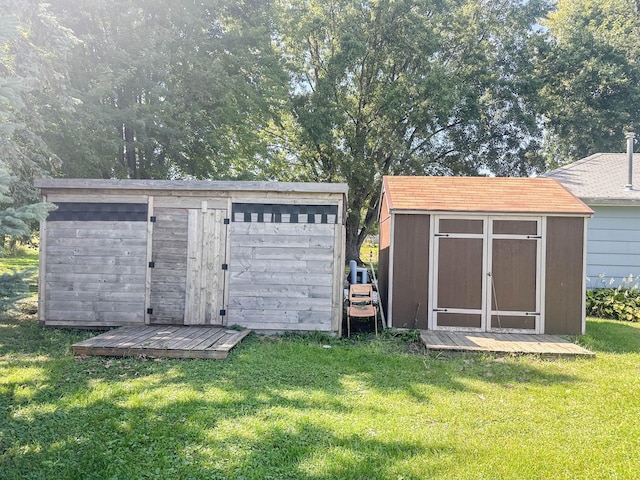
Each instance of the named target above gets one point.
<point>602,181</point>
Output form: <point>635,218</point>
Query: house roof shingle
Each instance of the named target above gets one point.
<point>482,194</point>
<point>601,178</point>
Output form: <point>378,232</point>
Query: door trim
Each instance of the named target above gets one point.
<point>488,236</point>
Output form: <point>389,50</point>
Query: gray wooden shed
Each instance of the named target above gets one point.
<point>263,255</point>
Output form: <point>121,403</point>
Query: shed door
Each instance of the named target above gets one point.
<point>487,274</point>
<point>187,281</point>
<point>460,286</point>
<point>514,262</point>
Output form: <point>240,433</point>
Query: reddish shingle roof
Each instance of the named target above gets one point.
<point>482,194</point>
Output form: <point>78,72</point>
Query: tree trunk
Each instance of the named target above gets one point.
<point>354,239</point>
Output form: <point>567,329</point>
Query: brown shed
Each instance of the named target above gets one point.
<point>263,255</point>
<point>483,254</point>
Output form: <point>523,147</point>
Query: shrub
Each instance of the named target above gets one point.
<point>620,303</point>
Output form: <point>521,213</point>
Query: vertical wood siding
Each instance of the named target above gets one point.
<point>205,276</point>
<point>169,275</point>
<point>411,271</point>
<point>564,276</point>
<point>95,273</point>
<point>281,275</point>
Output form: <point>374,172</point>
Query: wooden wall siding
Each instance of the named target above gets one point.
<point>383,256</point>
<point>410,271</point>
<point>518,322</point>
<point>169,275</point>
<point>564,276</point>
<point>460,273</point>
<point>281,276</point>
<point>613,244</point>
<point>205,275</point>
<point>460,320</point>
<point>514,275</point>
<point>95,273</point>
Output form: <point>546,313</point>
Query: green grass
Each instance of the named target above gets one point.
<point>26,257</point>
<point>290,408</point>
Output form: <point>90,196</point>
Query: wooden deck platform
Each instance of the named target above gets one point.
<point>545,345</point>
<point>163,341</point>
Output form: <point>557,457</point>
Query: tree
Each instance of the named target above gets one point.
<point>15,222</point>
<point>33,47</point>
<point>590,76</point>
<point>406,87</point>
<point>166,89</point>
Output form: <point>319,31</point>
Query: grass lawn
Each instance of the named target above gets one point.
<point>291,408</point>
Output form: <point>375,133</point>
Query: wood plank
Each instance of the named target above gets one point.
<point>280,253</point>
<point>97,269</point>
<point>96,197</point>
<point>230,340</point>
<point>205,335</point>
<point>106,319</point>
<point>193,314</point>
<point>339,252</point>
<point>126,230</point>
<point>192,202</point>
<point>240,316</point>
<point>289,266</point>
<point>247,229</point>
<point>92,287</point>
<point>284,240</point>
<point>207,341</point>
<point>162,338</point>
<point>217,259</point>
<point>275,303</point>
<point>94,260</point>
<point>502,343</point>
<point>188,336</point>
<point>277,278</point>
<point>95,306</point>
<point>282,291</point>
<point>130,334</point>
<point>287,327</point>
<point>113,251</point>
<point>105,279</point>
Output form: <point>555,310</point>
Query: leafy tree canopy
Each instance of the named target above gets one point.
<point>590,76</point>
<point>407,87</point>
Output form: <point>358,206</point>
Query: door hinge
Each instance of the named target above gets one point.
<point>225,266</point>
<point>226,221</point>
<point>440,234</point>
<point>534,236</point>
<point>223,313</point>
<point>152,264</point>
<point>150,311</point>
<point>440,310</point>
<point>533,314</point>
<point>152,219</point>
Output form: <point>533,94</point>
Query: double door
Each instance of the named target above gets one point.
<point>486,274</point>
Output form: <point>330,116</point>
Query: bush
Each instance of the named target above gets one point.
<point>620,303</point>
